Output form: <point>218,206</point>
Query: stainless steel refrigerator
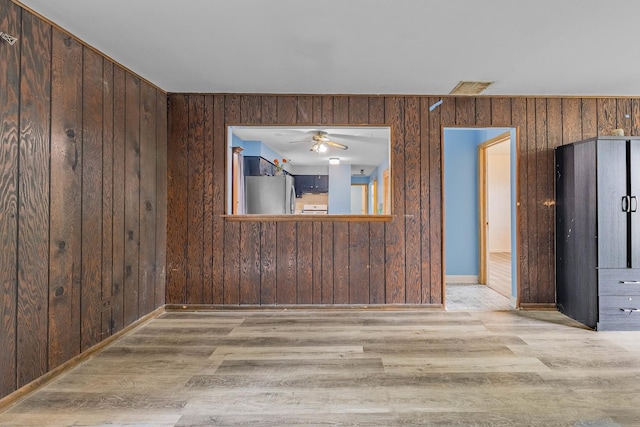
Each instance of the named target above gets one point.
<point>270,195</point>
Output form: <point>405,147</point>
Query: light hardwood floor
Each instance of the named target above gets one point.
<point>499,269</point>
<point>349,367</point>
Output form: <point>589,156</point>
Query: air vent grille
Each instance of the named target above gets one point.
<point>470,88</point>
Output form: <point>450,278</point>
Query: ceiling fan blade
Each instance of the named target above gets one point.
<point>351,137</point>
<point>301,140</point>
<point>336,144</point>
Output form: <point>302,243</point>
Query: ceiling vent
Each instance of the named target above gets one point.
<point>470,88</point>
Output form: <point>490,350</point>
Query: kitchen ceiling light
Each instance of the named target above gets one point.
<point>334,161</point>
<point>322,147</point>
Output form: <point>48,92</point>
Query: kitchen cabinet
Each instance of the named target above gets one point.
<point>257,166</point>
<point>598,232</point>
<point>311,184</point>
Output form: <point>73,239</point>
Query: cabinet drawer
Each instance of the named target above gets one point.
<point>624,281</point>
<point>616,313</point>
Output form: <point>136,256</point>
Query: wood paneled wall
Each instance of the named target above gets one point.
<point>216,261</point>
<point>82,198</point>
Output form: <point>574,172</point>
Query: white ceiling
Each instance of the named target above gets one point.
<point>541,47</point>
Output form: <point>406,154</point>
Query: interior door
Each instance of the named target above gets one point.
<point>634,176</point>
<point>612,203</point>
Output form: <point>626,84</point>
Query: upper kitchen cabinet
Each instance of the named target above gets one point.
<point>315,184</point>
<point>598,232</point>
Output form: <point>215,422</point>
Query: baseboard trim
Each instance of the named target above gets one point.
<point>46,378</point>
<point>473,279</point>
<point>538,306</point>
<point>246,307</point>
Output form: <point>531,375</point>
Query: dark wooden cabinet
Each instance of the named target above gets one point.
<point>311,184</point>
<point>598,232</point>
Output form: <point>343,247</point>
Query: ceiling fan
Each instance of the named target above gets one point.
<point>321,142</point>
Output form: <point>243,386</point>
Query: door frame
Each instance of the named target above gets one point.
<point>483,207</point>
<point>515,202</point>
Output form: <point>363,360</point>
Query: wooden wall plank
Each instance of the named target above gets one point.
<point>304,110</point>
<point>91,294</point>
<point>529,292</point>
<point>501,112</point>
<point>66,167</point>
<point>571,120</point>
<point>287,109</point>
<point>635,117</point>
<point>358,110</point>
<point>327,263</point>
<point>118,198</point>
<point>268,259</point>
<point>341,110</point>
<point>269,110</point>
<point>148,198</point>
<point>132,198</point>
<point>394,230</point>
<point>231,291</point>
<point>316,251</point>
<point>177,168</point>
<point>208,202</point>
<point>425,202</point>
<point>33,206</point>
<point>249,263</point>
<point>607,111</point>
<point>286,260</point>
<point>483,111</point>
<point>413,202</point>
<point>250,109</point>
<point>219,180</point>
<point>341,262</point>
<point>358,267</point>
<point>623,115</point>
<point>10,19</point>
<point>161,198</point>
<point>195,200</point>
<point>589,118</point>
<point>106,290</point>
<point>304,262</point>
<point>465,111</point>
<point>377,287</point>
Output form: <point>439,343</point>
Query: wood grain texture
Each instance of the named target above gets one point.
<point>250,263</point>
<point>195,200</point>
<point>9,143</point>
<point>413,201</point>
<point>359,263</point>
<point>148,199</point>
<point>410,245</point>
<point>33,206</point>
<point>161,198</point>
<point>62,189</point>
<point>132,199</point>
<point>92,145</point>
<point>231,290</point>
<point>65,193</point>
<point>208,202</point>
<point>118,199</point>
<point>107,200</point>
<point>177,189</point>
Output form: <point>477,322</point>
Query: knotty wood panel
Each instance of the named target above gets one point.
<point>405,254</point>
<point>107,199</point>
<point>62,192</point>
<point>92,144</point>
<point>195,200</point>
<point>249,263</point>
<point>148,202</point>
<point>118,199</point>
<point>33,206</point>
<point>66,184</point>
<point>131,198</point>
<point>161,198</point>
<point>208,205</point>
<point>9,136</point>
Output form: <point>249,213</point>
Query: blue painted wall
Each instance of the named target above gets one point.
<point>461,201</point>
<point>339,193</point>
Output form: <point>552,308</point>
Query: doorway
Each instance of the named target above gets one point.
<point>479,188</point>
<point>494,224</point>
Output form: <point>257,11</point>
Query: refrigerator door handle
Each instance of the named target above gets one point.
<point>634,204</point>
<point>625,203</point>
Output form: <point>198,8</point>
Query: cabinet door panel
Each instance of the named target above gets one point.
<point>612,220</point>
<point>634,171</point>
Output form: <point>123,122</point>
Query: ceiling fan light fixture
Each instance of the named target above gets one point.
<point>322,147</point>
